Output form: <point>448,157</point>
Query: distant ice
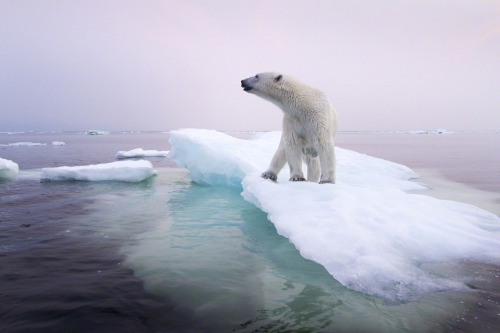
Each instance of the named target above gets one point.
<point>417,132</point>
<point>367,230</point>
<point>96,132</point>
<point>139,152</point>
<point>442,131</point>
<point>125,171</point>
<point>58,143</point>
<point>437,131</point>
<point>16,144</point>
<point>8,169</point>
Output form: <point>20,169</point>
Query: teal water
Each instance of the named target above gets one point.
<point>222,262</point>
<point>169,255</point>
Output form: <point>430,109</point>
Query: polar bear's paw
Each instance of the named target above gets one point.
<point>297,178</point>
<point>327,182</point>
<point>269,175</point>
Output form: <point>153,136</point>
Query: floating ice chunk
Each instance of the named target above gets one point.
<point>58,143</point>
<point>125,171</point>
<point>139,152</point>
<point>8,169</point>
<point>366,230</point>
<point>417,132</point>
<point>437,131</point>
<point>17,144</point>
<point>96,132</point>
<point>442,131</point>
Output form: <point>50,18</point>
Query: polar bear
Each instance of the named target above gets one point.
<point>309,125</point>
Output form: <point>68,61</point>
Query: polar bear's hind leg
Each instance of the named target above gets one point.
<point>327,162</point>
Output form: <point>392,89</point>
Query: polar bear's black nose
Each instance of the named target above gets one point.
<point>245,85</point>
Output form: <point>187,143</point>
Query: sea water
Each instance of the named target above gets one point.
<point>168,254</point>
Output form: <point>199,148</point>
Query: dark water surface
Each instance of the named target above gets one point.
<point>167,255</point>
<point>469,158</point>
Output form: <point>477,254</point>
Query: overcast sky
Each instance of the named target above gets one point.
<point>159,65</point>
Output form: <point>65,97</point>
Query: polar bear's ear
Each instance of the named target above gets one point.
<point>278,78</point>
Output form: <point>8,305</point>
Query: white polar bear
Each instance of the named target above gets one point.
<point>309,125</point>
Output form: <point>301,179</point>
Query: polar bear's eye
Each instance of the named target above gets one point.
<point>256,76</point>
<point>277,78</point>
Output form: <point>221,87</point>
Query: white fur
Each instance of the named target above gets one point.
<point>309,125</point>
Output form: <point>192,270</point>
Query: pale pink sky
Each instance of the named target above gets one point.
<point>159,65</point>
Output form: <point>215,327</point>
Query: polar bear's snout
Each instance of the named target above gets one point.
<point>247,84</point>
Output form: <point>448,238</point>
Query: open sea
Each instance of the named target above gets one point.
<point>170,255</point>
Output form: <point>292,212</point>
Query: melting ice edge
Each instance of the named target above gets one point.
<point>371,231</point>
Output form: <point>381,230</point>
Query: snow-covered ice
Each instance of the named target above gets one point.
<point>96,132</point>
<point>58,143</point>
<point>8,169</point>
<point>139,152</point>
<point>125,171</point>
<point>16,144</point>
<point>371,231</point>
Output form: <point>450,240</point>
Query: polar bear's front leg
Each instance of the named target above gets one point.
<point>277,163</point>
<point>293,153</point>
<point>327,161</point>
<point>313,169</point>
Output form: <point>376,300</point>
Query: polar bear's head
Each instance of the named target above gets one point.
<point>270,86</point>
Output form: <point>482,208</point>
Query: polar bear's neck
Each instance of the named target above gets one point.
<point>300,100</point>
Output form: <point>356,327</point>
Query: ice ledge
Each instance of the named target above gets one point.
<point>366,230</point>
<point>215,158</point>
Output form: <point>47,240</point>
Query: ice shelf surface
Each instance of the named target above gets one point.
<point>370,230</point>
<point>8,169</point>
<point>139,152</point>
<point>125,171</point>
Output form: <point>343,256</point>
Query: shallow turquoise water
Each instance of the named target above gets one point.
<point>221,261</point>
<point>171,255</point>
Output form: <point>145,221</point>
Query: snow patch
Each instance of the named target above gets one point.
<point>367,230</point>
<point>125,171</point>
<point>58,143</point>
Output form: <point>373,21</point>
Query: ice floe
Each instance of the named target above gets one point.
<point>58,143</point>
<point>125,171</point>
<point>8,169</point>
<point>139,152</point>
<point>17,144</point>
<point>371,231</point>
<point>96,132</point>
<point>437,131</point>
